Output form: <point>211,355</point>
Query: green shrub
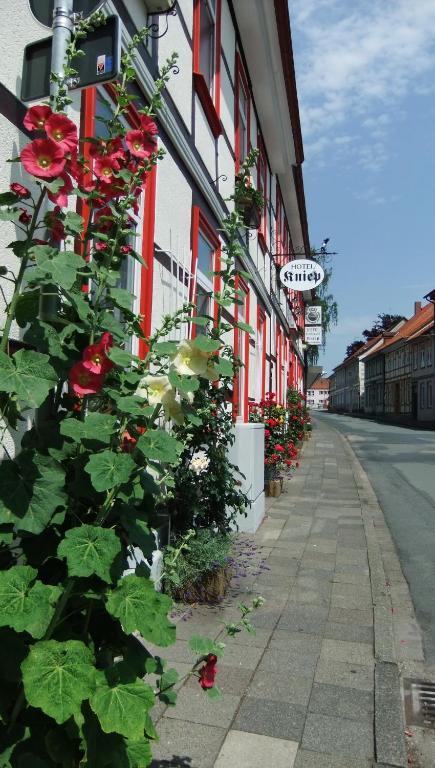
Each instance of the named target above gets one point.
<point>190,566</point>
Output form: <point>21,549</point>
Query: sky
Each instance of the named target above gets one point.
<point>365,73</point>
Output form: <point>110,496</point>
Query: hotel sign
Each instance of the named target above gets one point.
<point>301,275</point>
<point>313,314</point>
<point>313,334</point>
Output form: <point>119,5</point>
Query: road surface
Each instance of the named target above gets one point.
<point>400,464</point>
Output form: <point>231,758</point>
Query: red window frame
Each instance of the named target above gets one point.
<point>261,329</point>
<point>241,408</point>
<point>279,226</point>
<point>201,224</point>
<point>211,105</point>
<point>87,128</point>
<point>262,186</point>
<point>241,82</point>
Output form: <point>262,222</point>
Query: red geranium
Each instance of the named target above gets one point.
<point>43,158</point>
<point>36,117</point>
<point>63,131</point>
<point>95,355</point>
<point>207,673</point>
<point>140,144</point>
<point>19,190</point>
<point>61,196</point>
<point>83,382</point>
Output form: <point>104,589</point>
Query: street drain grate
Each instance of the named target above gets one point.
<point>419,703</point>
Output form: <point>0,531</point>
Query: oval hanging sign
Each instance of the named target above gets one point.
<point>301,275</point>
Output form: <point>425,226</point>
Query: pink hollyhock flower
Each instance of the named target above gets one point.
<point>207,673</point>
<point>267,434</point>
<point>60,198</point>
<point>140,144</point>
<point>279,448</point>
<point>83,382</point>
<point>105,167</point>
<point>25,216</point>
<point>95,355</point>
<point>36,117</point>
<point>100,246</point>
<point>112,148</point>
<point>43,158</point>
<point>126,249</point>
<point>19,190</point>
<point>63,131</point>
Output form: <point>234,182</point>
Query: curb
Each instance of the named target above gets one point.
<point>389,724</point>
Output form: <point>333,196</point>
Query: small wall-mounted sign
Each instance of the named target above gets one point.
<point>313,334</point>
<point>313,314</point>
<point>301,274</point>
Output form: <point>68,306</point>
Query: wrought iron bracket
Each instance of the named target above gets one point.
<point>222,176</point>
<point>154,28</point>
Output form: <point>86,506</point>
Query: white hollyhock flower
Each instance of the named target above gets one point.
<point>156,389</point>
<point>199,462</point>
<point>189,360</point>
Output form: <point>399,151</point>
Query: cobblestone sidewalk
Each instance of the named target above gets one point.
<point>316,687</point>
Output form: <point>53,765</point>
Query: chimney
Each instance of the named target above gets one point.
<point>417,307</point>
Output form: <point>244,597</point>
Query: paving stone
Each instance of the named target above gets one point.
<point>335,735</point>
<point>341,650</point>
<point>342,673</point>
<point>308,759</point>
<point>325,546</point>
<point>304,618</point>
<point>296,641</point>
<point>281,686</point>
<point>239,655</point>
<point>351,556</point>
<point>271,718</point>
<point>260,639</point>
<point>362,618</point>
<point>279,659</point>
<point>183,744</point>
<point>337,701</point>
<point>251,750</point>
<point>350,632</point>
<point>195,706</point>
<point>354,576</point>
<point>233,680</point>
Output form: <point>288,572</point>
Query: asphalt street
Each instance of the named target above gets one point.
<point>400,464</point>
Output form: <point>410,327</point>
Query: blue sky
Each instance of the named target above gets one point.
<point>366,83</point>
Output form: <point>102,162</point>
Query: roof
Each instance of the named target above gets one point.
<point>320,384</point>
<point>359,352</point>
<point>419,323</point>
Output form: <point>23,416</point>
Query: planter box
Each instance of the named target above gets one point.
<point>274,488</point>
<point>211,588</point>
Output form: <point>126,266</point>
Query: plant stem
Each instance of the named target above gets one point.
<point>24,261</point>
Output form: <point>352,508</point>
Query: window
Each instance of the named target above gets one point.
<point>429,394</point>
<point>261,353</point>
<point>205,260</point>
<point>207,59</point>
<point>414,358</point>
<point>262,186</point>
<point>242,113</point>
<point>423,394</point>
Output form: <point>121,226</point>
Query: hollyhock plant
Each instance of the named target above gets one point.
<point>19,190</point>
<point>95,356</point>
<point>25,217</point>
<point>43,158</point>
<point>63,131</point>
<point>83,381</point>
<point>207,673</point>
<point>105,168</point>
<point>140,144</point>
<point>60,197</point>
<point>36,117</point>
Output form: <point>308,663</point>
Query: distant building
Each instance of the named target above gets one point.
<point>318,395</point>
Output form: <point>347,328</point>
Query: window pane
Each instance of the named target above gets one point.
<point>207,45</point>
<point>205,256</point>
<point>202,307</point>
<point>243,122</point>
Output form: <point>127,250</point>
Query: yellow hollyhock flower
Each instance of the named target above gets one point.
<point>156,389</point>
<point>189,360</point>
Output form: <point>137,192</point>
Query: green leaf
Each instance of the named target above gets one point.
<point>8,198</point>
<point>168,679</point>
<point>27,307</point>
<point>131,404</point>
<point>244,327</point>
<point>57,677</point>
<point>97,426</point>
<point>60,267</point>
<point>224,367</point>
<point>165,348</point>
<point>214,693</point>
<point>183,383</point>
<point>109,323</point>
<point>108,469</point>
<point>73,223</point>
<point>139,753</point>
<point>54,186</point>
<point>10,214</point>
<point>199,320</point>
<point>122,298</point>
<point>159,445</point>
<point>27,374</point>
<point>31,490</point>
<point>139,607</point>
<point>90,549</point>
<point>120,357</point>
<point>122,708</point>
<point>81,306</point>
<point>205,344</point>
<point>26,605</point>
<point>204,645</point>
<point>45,338</point>
<point>138,533</point>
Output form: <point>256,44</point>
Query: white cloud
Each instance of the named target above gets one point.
<point>355,62</point>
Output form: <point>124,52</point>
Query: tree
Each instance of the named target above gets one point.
<point>327,302</point>
<point>383,322</point>
<point>354,347</point>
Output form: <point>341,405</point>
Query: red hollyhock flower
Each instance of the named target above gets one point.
<point>55,224</point>
<point>63,131</point>
<point>19,190</point>
<point>60,198</point>
<point>36,117</point>
<point>113,148</point>
<point>140,144</point>
<point>288,462</point>
<point>43,158</point>
<point>126,249</point>
<point>207,673</point>
<point>105,167</point>
<point>267,434</point>
<point>95,356</point>
<point>148,125</point>
<point>83,382</point>
<point>128,443</point>
<point>25,216</point>
<point>279,448</point>
<point>100,246</point>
